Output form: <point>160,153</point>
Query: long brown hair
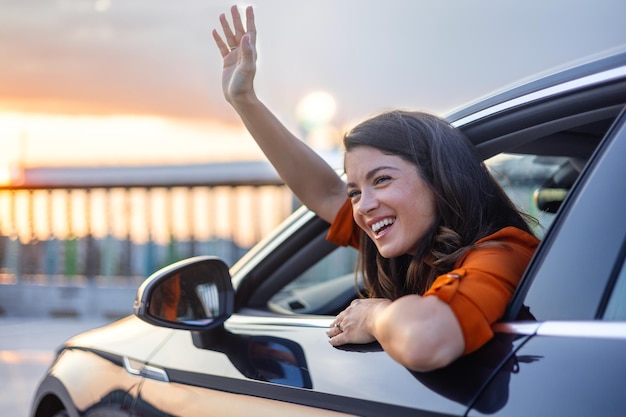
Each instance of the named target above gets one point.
<point>469,203</point>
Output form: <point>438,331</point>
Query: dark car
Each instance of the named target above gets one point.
<point>204,344</point>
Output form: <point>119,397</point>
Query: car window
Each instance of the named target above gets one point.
<point>324,288</point>
<point>336,264</point>
<point>616,308</point>
<point>536,184</point>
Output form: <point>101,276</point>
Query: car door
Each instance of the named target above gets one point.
<point>290,369</point>
<point>574,362</point>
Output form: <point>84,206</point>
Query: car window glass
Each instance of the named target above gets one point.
<point>321,288</point>
<point>339,262</point>
<point>616,308</point>
<point>536,184</point>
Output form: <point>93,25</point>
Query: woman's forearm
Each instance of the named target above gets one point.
<point>312,180</point>
<point>420,333</point>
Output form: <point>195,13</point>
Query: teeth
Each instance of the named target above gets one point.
<point>379,225</point>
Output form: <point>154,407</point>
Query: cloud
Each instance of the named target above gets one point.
<point>157,56</point>
<point>131,59</point>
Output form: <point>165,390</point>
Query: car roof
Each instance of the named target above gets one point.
<point>611,62</point>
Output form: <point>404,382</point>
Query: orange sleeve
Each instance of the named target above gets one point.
<point>344,231</point>
<point>480,287</point>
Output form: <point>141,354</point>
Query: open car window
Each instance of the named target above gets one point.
<point>536,184</point>
<point>325,288</point>
<point>537,146</point>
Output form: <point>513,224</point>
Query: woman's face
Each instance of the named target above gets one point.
<point>390,201</point>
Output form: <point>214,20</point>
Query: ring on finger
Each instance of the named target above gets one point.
<point>338,326</point>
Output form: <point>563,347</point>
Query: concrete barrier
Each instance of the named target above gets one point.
<point>67,297</point>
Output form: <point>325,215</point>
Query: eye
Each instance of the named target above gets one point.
<point>381,180</point>
<point>353,193</point>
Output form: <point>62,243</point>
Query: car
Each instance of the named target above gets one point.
<point>250,340</point>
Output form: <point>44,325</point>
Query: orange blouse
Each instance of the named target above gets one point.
<point>482,282</point>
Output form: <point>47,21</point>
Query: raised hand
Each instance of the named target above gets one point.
<point>238,48</point>
<point>308,175</point>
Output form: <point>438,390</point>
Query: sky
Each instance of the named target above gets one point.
<point>108,82</point>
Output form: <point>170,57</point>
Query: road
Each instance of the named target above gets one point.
<point>27,347</point>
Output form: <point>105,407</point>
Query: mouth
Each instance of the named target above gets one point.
<point>382,225</point>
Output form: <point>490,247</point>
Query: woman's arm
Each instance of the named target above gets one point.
<point>312,180</point>
<point>421,333</point>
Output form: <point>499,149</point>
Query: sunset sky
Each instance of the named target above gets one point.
<point>106,82</point>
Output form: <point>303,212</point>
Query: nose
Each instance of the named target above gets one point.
<point>368,202</point>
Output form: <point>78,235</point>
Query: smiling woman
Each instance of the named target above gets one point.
<point>441,246</point>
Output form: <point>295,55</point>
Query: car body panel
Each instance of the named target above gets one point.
<point>112,353</point>
<point>71,380</point>
<point>363,390</point>
<point>589,71</point>
<point>196,401</point>
<point>583,372</point>
<point>125,337</point>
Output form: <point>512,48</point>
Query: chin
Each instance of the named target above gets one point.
<point>390,253</point>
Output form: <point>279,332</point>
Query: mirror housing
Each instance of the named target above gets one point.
<point>193,294</point>
<point>549,199</point>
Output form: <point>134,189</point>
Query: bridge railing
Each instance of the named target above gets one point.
<point>123,223</point>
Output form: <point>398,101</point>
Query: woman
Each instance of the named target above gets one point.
<point>441,247</point>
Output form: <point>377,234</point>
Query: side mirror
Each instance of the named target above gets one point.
<point>193,294</point>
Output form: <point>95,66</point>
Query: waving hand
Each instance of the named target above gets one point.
<point>238,48</point>
<point>311,179</point>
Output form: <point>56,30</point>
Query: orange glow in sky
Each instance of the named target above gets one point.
<point>48,139</point>
<point>106,82</point>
